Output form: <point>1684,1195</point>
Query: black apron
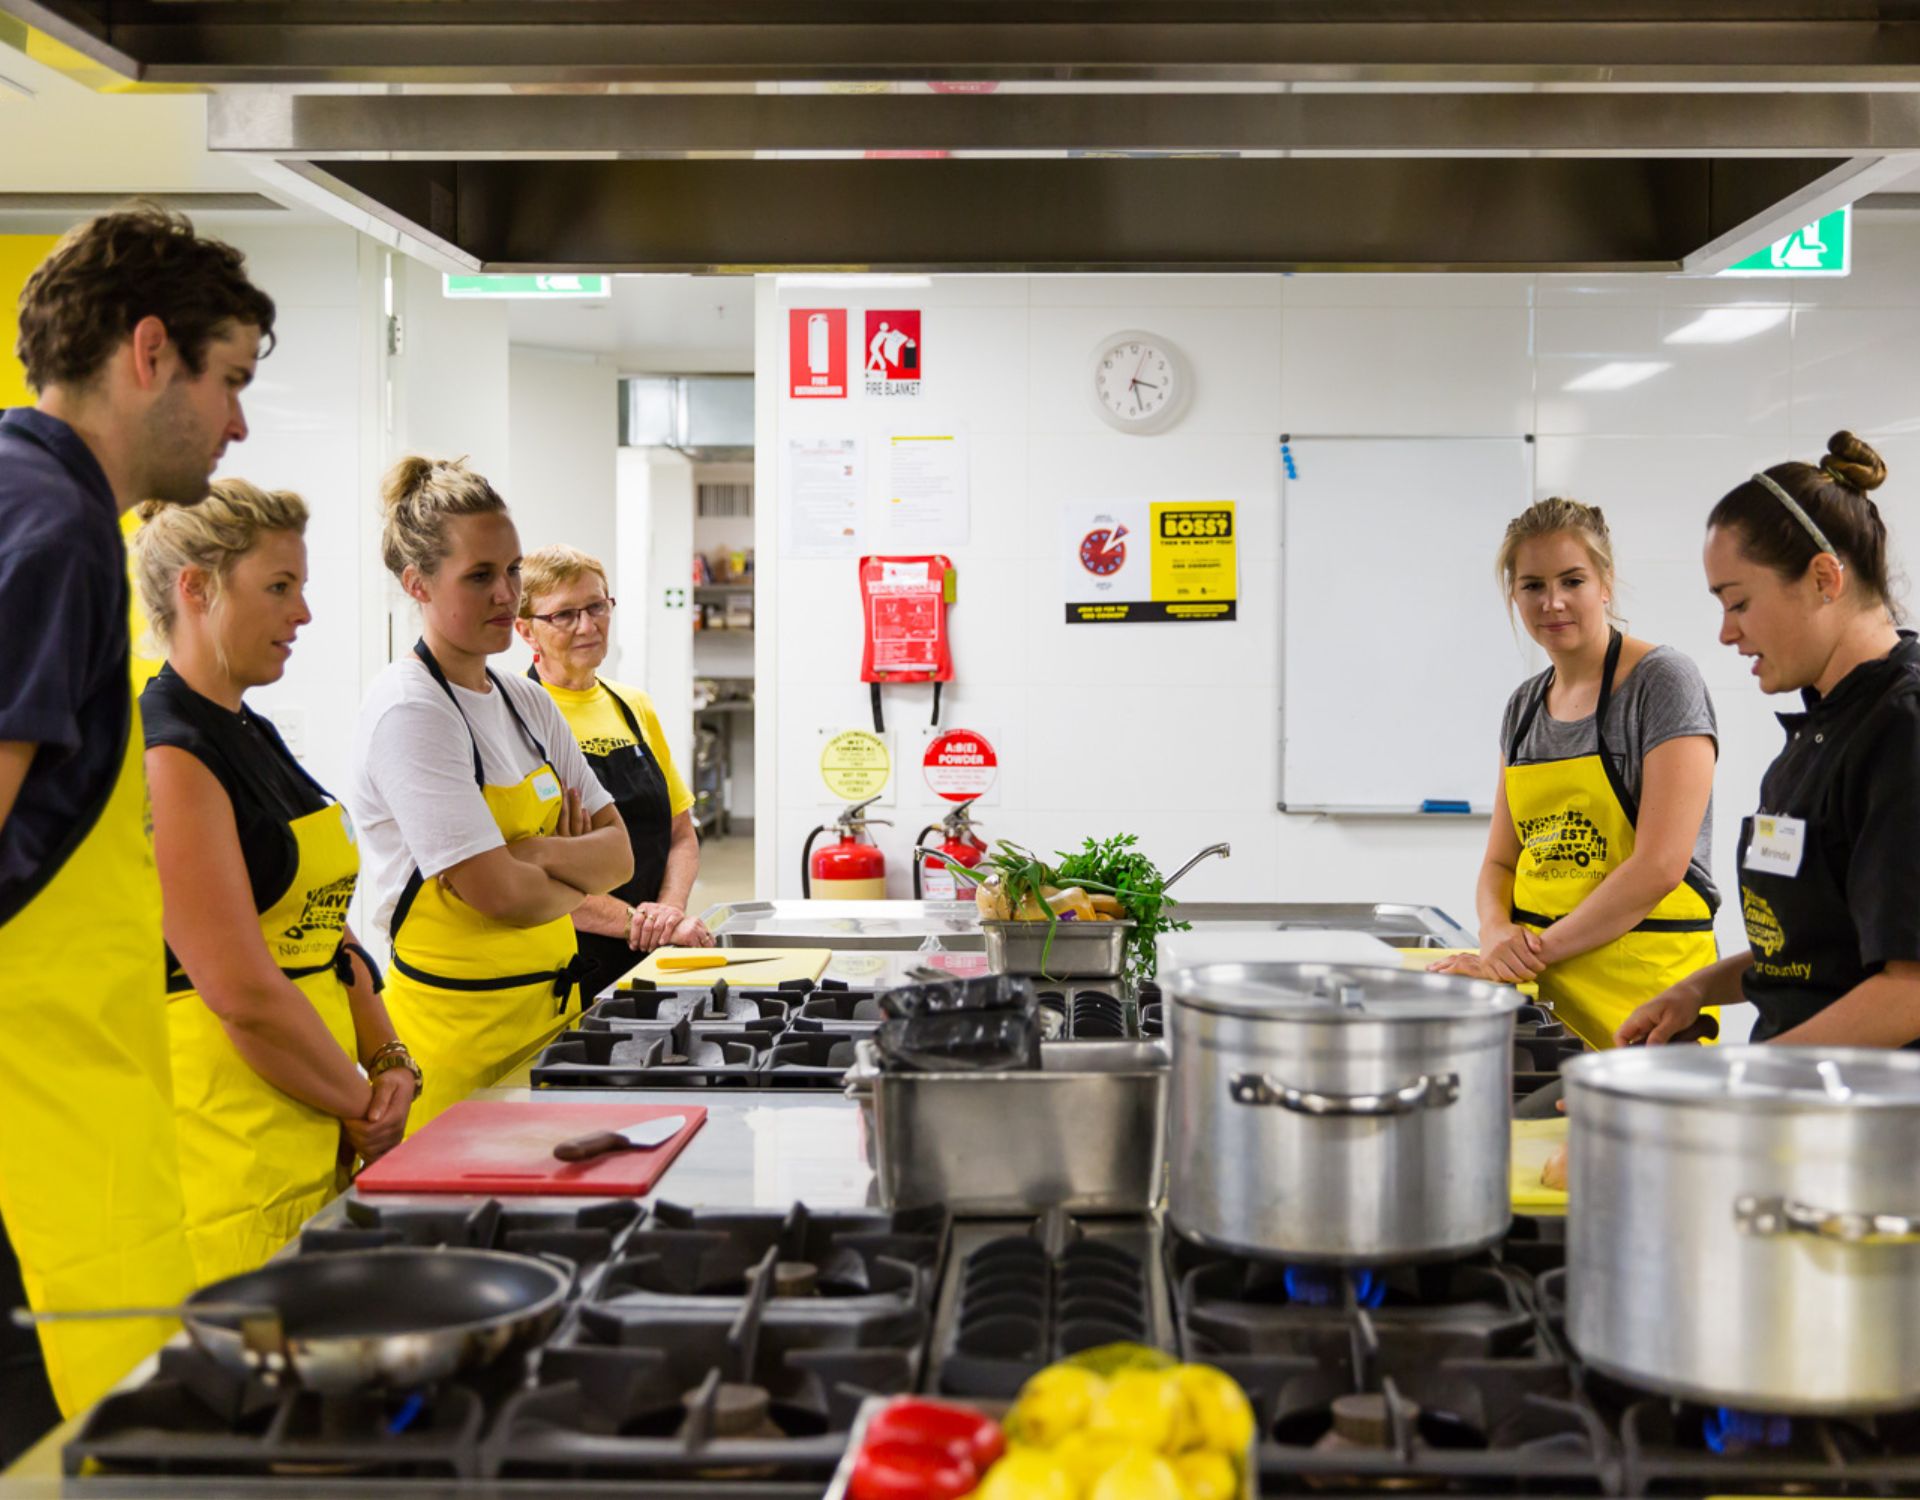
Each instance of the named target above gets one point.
<point>633,778</point>
<point>1806,947</point>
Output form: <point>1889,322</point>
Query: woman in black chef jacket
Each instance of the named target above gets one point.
<point>1830,860</point>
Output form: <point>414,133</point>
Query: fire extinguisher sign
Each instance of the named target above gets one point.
<point>817,352</point>
<point>960,765</point>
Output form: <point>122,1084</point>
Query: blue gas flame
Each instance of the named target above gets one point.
<point>1729,1430</point>
<point>1315,1286</point>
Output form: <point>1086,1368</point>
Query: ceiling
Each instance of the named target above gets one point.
<point>1042,135</point>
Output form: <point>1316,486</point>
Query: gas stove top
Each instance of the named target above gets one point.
<point>706,1350</point>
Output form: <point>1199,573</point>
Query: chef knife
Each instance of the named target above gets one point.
<point>673,963</point>
<point>642,1137</point>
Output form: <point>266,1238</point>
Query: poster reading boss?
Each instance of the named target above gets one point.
<point>1128,561</point>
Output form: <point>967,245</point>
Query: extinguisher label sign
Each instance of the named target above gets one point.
<point>893,358</point>
<point>855,765</point>
<point>817,352</point>
<point>960,764</point>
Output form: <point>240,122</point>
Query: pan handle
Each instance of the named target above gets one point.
<point>1769,1217</point>
<point>1428,1091</point>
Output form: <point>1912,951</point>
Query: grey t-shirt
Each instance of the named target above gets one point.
<point>1662,699</point>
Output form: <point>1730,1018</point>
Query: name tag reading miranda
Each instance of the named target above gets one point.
<point>546,786</point>
<point>1776,845</point>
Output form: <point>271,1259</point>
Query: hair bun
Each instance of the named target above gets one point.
<point>146,510</point>
<point>1854,463</point>
<point>405,480</point>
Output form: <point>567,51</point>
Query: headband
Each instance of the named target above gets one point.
<point>1794,509</point>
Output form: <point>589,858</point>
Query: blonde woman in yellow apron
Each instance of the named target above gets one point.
<point>272,1006</point>
<point>1595,883</point>
<point>481,824</point>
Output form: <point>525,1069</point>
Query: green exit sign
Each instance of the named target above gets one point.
<point>556,285</point>
<point>1823,248</point>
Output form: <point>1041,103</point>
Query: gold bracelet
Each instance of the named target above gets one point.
<point>385,1061</point>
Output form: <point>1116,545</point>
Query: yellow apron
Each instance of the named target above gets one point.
<point>1575,822</point>
<point>256,1164</point>
<point>89,1177</point>
<point>474,997</point>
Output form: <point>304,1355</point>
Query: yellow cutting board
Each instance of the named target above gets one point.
<point>784,964</point>
<point>1533,1142</point>
<point>1421,958</point>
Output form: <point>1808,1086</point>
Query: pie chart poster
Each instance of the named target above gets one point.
<point>1127,561</point>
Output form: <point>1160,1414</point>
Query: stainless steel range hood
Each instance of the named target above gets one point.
<point>1046,135</point>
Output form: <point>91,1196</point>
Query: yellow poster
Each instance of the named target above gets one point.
<point>1135,560</point>
<point>855,765</point>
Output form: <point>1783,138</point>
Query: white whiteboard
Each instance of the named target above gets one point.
<point>1397,654</point>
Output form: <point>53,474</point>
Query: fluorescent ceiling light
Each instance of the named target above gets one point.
<point>1617,375</point>
<point>848,283</point>
<point>1727,325</point>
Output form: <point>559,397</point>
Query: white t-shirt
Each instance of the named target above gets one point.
<point>412,793</point>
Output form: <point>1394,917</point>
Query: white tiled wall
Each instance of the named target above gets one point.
<point>1170,730</point>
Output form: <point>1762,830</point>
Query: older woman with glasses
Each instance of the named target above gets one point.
<point>565,611</point>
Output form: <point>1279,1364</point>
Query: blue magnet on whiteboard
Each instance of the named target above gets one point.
<point>1441,805</point>
<point>1286,457</point>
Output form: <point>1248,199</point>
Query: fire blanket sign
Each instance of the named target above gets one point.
<point>817,352</point>
<point>960,764</point>
<point>1127,561</point>
<point>893,352</point>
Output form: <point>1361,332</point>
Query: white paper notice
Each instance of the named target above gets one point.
<point>823,498</point>
<point>927,504</point>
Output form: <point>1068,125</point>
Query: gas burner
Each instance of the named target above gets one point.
<point>690,1361</point>
<point>585,1236</point>
<point>684,1056</point>
<point>718,1006</point>
<point>848,1011</point>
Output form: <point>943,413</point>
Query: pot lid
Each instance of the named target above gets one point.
<point>1336,993</point>
<point>1782,1077</point>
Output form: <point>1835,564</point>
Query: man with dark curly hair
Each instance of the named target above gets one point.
<point>139,337</point>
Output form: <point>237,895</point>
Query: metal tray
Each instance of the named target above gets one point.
<point>1086,1131</point>
<point>871,1407</point>
<point>1080,950</point>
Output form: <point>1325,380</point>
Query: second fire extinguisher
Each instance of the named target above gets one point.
<point>959,844</point>
<point>852,868</point>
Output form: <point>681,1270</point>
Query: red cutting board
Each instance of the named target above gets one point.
<point>487,1146</point>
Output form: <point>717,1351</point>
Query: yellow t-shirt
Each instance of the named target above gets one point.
<point>599,726</point>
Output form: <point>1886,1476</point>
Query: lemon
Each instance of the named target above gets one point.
<point>1027,1474</point>
<point>1057,1401</point>
<point>1086,1455</point>
<point>1138,1476</point>
<point>1141,1408</point>
<point>1206,1475</point>
<point>1218,1415</point>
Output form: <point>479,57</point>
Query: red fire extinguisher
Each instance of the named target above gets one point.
<point>959,844</point>
<point>851,868</point>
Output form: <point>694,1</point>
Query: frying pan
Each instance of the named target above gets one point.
<point>334,1323</point>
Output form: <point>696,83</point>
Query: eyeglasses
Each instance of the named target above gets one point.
<point>566,619</point>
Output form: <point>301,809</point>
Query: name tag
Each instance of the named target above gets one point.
<point>1776,845</point>
<point>546,786</point>
<point>346,823</point>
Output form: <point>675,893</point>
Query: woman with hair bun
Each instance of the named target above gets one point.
<point>1595,883</point>
<point>484,827</point>
<point>272,1007</point>
<point>1830,860</point>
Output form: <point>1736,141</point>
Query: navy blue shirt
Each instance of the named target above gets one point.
<point>64,645</point>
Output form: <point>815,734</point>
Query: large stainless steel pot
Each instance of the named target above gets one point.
<point>1339,1113</point>
<point>1744,1224</point>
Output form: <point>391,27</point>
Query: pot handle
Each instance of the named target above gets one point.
<point>1428,1091</point>
<point>1778,1216</point>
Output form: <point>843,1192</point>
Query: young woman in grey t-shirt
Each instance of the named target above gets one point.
<point>1595,883</point>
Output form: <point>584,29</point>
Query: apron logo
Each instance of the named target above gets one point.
<point>1563,837</point>
<point>325,910</point>
<point>1764,931</point>
<point>605,744</point>
<point>546,786</point>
